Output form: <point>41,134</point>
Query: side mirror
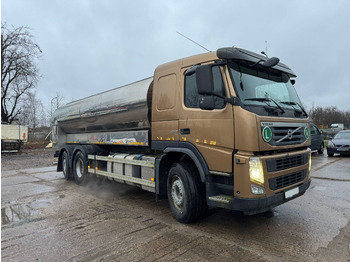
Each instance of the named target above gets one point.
<point>204,79</point>
<point>192,70</point>
<point>271,62</point>
<point>207,103</point>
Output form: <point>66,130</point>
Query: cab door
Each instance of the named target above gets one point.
<point>211,131</point>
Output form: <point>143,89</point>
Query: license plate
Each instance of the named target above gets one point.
<point>343,149</point>
<point>291,193</point>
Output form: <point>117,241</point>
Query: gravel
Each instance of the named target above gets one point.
<point>27,158</point>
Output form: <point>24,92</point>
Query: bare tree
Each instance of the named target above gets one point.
<point>57,101</point>
<point>19,72</point>
<point>32,111</point>
<point>329,115</point>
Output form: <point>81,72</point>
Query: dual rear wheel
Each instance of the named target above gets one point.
<point>80,168</point>
<point>67,172</point>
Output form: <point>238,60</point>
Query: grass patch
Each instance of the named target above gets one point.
<point>325,143</point>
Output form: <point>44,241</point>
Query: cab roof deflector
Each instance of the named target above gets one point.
<point>237,54</point>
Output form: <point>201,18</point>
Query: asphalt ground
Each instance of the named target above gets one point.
<point>46,218</point>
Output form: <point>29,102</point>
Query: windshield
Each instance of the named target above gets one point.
<point>342,135</point>
<point>258,87</point>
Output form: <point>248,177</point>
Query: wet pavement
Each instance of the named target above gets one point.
<point>46,218</point>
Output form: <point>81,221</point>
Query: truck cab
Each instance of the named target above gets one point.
<point>236,117</point>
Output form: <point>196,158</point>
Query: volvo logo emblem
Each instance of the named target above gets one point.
<point>290,134</point>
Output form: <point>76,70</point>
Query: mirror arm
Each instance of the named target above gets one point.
<point>232,100</point>
<point>256,63</point>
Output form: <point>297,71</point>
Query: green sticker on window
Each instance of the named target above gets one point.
<point>267,134</point>
<point>306,132</point>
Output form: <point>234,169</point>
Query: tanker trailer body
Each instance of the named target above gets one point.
<point>222,129</point>
<point>116,117</point>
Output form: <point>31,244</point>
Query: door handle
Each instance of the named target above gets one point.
<point>185,131</point>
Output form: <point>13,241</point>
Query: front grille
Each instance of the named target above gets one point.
<point>288,162</point>
<point>345,146</point>
<point>287,180</point>
<point>285,133</point>
<point>280,136</point>
<point>279,164</point>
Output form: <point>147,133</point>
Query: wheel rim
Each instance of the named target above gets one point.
<point>177,192</point>
<point>79,169</point>
<point>64,165</point>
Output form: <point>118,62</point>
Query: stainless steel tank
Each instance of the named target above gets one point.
<point>120,109</point>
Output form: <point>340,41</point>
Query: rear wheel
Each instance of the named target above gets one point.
<point>67,172</point>
<point>321,149</point>
<point>186,193</point>
<point>80,168</point>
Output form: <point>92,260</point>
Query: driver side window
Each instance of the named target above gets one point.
<point>191,92</point>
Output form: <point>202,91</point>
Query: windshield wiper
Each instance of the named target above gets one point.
<point>295,103</point>
<point>277,104</point>
<point>265,99</point>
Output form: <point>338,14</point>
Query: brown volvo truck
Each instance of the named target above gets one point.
<point>221,129</point>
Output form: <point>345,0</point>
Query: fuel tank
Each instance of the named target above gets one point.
<point>120,109</point>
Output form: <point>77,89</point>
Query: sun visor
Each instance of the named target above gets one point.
<point>237,54</point>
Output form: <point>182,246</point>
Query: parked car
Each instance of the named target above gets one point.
<point>317,143</point>
<point>340,143</point>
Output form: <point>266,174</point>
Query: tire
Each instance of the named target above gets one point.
<point>321,149</point>
<point>186,193</point>
<point>80,169</point>
<point>330,154</point>
<point>67,172</point>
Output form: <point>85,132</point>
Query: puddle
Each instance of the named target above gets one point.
<point>40,203</point>
<point>17,213</point>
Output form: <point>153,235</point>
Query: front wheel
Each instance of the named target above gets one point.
<point>330,154</point>
<point>186,193</point>
<point>80,168</point>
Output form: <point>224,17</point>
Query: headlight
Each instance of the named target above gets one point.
<point>256,172</point>
<point>330,144</point>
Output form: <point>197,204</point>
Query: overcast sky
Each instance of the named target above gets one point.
<point>91,46</point>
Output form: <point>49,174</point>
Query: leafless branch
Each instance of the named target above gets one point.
<point>19,71</point>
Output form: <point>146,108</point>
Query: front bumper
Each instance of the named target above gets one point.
<point>259,205</point>
<point>340,150</point>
